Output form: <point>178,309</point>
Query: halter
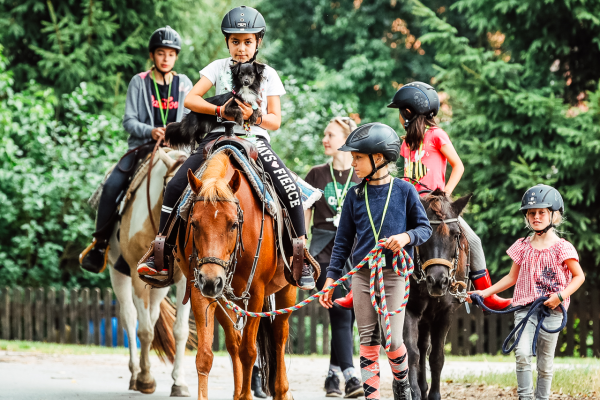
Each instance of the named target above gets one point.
<point>452,265</point>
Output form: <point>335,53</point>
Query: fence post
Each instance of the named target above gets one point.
<point>5,313</point>
<point>39,314</point>
<point>454,332</point>
<point>492,333</point>
<point>96,315</point>
<point>18,313</point>
<point>314,313</point>
<point>120,340</point>
<point>479,329</point>
<point>73,307</point>
<point>108,317</point>
<point>27,308</point>
<point>595,323</point>
<point>51,301</point>
<point>571,327</point>
<point>62,315</point>
<point>85,314</point>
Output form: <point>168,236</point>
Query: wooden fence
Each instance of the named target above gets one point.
<point>81,316</point>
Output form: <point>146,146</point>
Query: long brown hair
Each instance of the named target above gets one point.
<point>415,133</point>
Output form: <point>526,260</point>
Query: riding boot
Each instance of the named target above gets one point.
<point>256,383</point>
<point>346,302</point>
<point>481,280</point>
<point>95,256</point>
<point>401,389</point>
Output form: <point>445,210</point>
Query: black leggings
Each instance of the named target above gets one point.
<point>113,190</point>
<point>282,179</point>
<point>342,321</point>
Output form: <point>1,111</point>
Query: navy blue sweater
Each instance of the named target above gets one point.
<point>405,213</point>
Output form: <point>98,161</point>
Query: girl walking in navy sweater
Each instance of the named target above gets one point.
<point>379,207</point>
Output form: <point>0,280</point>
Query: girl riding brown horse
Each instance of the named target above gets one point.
<point>222,240</point>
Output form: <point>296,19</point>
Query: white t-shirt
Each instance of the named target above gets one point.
<point>271,86</point>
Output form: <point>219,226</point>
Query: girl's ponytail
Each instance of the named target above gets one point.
<point>415,133</point>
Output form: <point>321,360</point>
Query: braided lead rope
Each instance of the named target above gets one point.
<point>374,260</point>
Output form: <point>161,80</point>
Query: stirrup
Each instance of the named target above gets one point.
<point>88,249</point>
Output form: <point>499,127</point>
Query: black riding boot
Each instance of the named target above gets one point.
<point>256,384</point>
<point>401,390</point>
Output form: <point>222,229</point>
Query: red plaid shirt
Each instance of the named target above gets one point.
<point>543,272</point>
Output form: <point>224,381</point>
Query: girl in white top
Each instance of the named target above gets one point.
<point>244,28</point>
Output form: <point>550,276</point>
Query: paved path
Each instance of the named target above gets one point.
<point>100,377</point>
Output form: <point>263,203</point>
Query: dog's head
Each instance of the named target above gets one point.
<point>247,74</point>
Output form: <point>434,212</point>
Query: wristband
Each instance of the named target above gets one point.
<point>259,123</point>
<point>217,111</point>
<point>560,297</point>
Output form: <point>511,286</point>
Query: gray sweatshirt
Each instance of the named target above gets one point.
<point>139,117</point>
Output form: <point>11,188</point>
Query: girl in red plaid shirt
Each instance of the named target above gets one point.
<point>543,265</point>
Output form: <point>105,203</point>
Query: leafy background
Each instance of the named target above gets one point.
<point>519,83</point>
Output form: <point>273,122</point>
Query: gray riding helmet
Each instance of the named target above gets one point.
<point>374,138</point>
<point>542,196</point>
<point>244,19</point>
<point>419,97</point>
<point>165,37</point>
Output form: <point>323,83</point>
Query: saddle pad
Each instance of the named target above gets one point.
<point>309,194</point>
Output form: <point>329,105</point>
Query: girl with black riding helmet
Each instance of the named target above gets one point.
<point>543,265</point>
<point>335,178</point>
<point>154,99</point>
<point>426,150</point>
<point>244,28</point>
<point>379,207</point>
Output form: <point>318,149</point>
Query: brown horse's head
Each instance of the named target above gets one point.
<point>442,245</point>
<point>214,222</point>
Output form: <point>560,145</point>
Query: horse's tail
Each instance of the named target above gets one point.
<point>266,352</point>
<point>164,341</point>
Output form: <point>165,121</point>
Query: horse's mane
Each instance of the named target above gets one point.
<point>214,184</point>
<point>439,203</point>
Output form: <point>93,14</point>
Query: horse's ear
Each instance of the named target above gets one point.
<point>195,183</point>
<point>235,181</point>
<point>459,205</point>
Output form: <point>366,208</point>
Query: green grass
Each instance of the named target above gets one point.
<point>579,380</point>
<point>54,348</point>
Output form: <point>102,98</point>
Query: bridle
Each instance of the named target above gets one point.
<point>452,265</point>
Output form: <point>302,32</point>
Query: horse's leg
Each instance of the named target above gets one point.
<point>181,331</point>
<point>147,302</point>
<point>423,343</point>
<point>436,358</point>
<point>204,316</point>
<point>411,334</point>
<point>248,350</point>
<point>233,340</point>
<point>122,286</point>
<point>281,327</point>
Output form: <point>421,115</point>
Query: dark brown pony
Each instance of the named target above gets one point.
<point>430,304</point>
<point>213,228</point>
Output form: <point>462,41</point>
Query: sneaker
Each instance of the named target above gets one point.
<point>148,267</point>
<point>332,386</point>
<point>95,259</point>
<point>307,281</point>
<point>354,388</point>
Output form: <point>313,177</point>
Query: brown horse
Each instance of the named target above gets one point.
<point>440,272</point>
<point>225,224</point>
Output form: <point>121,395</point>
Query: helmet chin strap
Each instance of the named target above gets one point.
<point>407,122</point>
<point>375,169</point>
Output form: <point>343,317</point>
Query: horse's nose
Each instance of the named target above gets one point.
<point>211,288</point>
<point>445,282</point>
<point>430,280</point>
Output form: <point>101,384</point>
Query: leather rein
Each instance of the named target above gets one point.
<point>452,265</point>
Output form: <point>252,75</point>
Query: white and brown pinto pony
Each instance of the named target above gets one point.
<point>160,328</point>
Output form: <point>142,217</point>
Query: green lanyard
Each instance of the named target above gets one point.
<point>376,233</point>
<point>166,113</point>
<point>340,199</point>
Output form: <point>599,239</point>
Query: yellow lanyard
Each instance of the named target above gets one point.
<point>375,232</point>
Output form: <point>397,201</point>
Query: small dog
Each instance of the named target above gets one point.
<point>246,79</point>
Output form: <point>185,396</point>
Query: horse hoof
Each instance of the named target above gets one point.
<point>132,385</point>
<point>146,387</point>
<point>180,391</point>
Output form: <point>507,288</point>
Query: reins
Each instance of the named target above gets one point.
<point>156,146</point>
<point>537,306</point>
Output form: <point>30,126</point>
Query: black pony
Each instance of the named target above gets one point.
<point>440,270</point>
<point>246,80</point>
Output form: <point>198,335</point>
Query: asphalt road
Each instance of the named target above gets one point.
<point>101,377</point>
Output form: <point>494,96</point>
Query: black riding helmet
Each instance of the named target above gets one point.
<point>244,20</point>
<point>543,196</point>
<point>165,37</point>
<point>371,139</point>
<point>419,98</point>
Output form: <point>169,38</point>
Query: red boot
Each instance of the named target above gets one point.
<point>481,280</point>
<point>346,302</point>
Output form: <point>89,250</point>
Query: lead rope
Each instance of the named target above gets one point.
<point>375,261</point>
